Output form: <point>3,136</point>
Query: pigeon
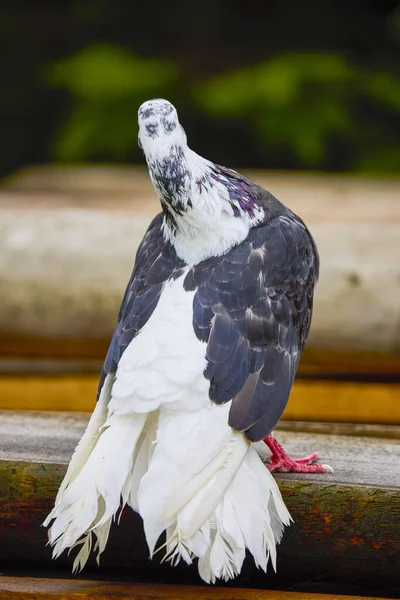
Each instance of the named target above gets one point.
<point>198,372</point>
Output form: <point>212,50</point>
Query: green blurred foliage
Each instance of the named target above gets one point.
<point>106,84</point>
<point>301,104</point>
<point>295,100</point>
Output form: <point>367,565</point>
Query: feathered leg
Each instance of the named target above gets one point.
<point>282,463</point>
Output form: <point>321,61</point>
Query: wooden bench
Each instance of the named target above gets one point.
<point>346,529</point>
<point>29,588</point>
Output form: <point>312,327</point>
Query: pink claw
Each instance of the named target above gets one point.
<point>282,463</point>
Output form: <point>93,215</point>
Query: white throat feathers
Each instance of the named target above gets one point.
<point>201,219</point>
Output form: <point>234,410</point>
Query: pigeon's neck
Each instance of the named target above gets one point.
<point>201,216</point>
<point>171,174</point>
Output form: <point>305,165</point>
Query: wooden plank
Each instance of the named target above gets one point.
<point>329,363</point>
<point>19,353</point>
<point>344,401</point>
<point>64,392</point>
<point>310,400</point>
<point>346,525</point>
<point>50,292</point>
<point>315,196</point>
<point>27,588</point>
<point>388,432</point>
<point>52,436</point>
<point>19,346</point>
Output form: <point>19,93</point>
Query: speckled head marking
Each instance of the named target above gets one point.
<point>159,127</point>
<point>163,142</point>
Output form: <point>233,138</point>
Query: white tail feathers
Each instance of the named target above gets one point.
<point>90,494</point>
<point>251,514</point>
<point>209,491</point>
<point>88,440</point>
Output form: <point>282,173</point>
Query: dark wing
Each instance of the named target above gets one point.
<point>156,262</point>
<point>253,307</point>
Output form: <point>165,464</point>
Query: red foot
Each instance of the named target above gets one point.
<point>282,463</point>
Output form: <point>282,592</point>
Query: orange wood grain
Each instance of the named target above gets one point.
<point>314,361</point>
<point>310,400</point>
<point>29,588</point>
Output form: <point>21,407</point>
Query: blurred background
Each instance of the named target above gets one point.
<point>277,85</point>
<point>305,96</point>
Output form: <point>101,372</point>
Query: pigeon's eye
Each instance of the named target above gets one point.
<point>169,126</point>
<point>151,129</point>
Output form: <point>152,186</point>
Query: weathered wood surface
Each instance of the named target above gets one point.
<point>346,529</point>
<point>21,588</point>
<point>50,437</point>
<point>388,432</point>
<point>310,400</point>
<point>24,354</point>
<point>317,196</point>
<point>65,260</point>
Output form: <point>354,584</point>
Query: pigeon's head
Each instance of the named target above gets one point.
<point>163,142</point>
<point>159,127</point>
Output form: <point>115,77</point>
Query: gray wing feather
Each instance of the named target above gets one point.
<point>253,307</point>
